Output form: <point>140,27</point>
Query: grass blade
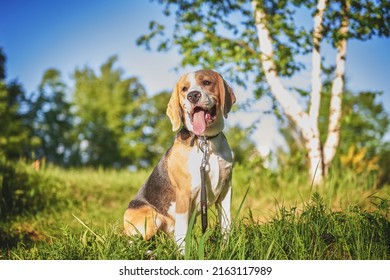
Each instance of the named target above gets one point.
<point>241,204</point>
<point>202,243</point>
<point>98,237</point>
<point>188,238</point>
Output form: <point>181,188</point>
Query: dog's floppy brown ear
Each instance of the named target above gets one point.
<point>227,96</point>
<point>173,110</point>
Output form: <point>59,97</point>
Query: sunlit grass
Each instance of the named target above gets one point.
<point>77,214</point>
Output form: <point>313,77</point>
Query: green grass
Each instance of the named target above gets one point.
<point>77,214</point>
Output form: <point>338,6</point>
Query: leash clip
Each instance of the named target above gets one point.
<point>204,147</point>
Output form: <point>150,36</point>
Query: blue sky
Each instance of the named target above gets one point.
<point>36,35</point>
<point>66,34</point>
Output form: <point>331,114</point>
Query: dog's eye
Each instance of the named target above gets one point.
<point>184,89</point>
<point>206,83</point>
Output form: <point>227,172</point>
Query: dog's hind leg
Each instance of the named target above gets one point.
<point>145,221</point>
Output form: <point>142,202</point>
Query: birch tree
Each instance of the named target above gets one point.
<point>265,41</point>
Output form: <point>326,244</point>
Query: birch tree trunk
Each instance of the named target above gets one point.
<point>319,158</point>
<point>305,122</point>
<point>316,82</point>
<point>333,138</point>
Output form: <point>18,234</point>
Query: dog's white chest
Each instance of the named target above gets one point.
<point>215,170</point>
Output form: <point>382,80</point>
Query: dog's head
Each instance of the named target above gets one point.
<point>199,101</point>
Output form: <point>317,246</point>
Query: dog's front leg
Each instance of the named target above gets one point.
<point>181,220</point>
<point>224,216</point>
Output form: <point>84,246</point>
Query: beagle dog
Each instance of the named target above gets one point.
<point>197,108</point>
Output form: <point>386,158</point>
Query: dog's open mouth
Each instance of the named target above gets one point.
<point>201,118</point>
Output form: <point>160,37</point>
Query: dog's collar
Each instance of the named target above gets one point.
<point>194,137</point>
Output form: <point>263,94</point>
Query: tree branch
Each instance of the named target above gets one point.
<point>238,42</point>
<point>289,104</point>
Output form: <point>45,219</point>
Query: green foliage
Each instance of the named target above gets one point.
<point>364,124</point>
<point>364,120</point>
<point>223,34</point>
<point>384,163</point>
<point>295,155</point>
<point>157,129</point>
<point>356,159</point>
<point>14,134</point>
<point>244,149</point>
<point>23,192</point>
<point>110,110</point>
<point>367,19</point>
<point>209,47</point>
<point>52,120</point>
<point>107,120</point>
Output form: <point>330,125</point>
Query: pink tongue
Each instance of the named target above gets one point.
<point>199,123</point>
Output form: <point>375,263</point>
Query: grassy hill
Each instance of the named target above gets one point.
<point>54,213</point>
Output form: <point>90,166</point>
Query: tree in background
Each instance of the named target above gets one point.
<point>110,117</point>
<point>108,121</point>
<point>14,133</point>
<point>364,123</point>
<point>52,120</point>
<point>244,149</point>
<point>158,128</point>
<point>267,41</point>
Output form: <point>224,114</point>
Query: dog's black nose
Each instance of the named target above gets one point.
<point>194,96</point>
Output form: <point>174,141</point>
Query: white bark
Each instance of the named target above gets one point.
<point>285,98</point>
<point>316,82</point>
<point>333,138</point>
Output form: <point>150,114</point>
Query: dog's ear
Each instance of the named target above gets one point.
<point>226,96</point>
<point>173,110</point>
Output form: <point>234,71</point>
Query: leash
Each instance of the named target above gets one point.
<point>203,145</point>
